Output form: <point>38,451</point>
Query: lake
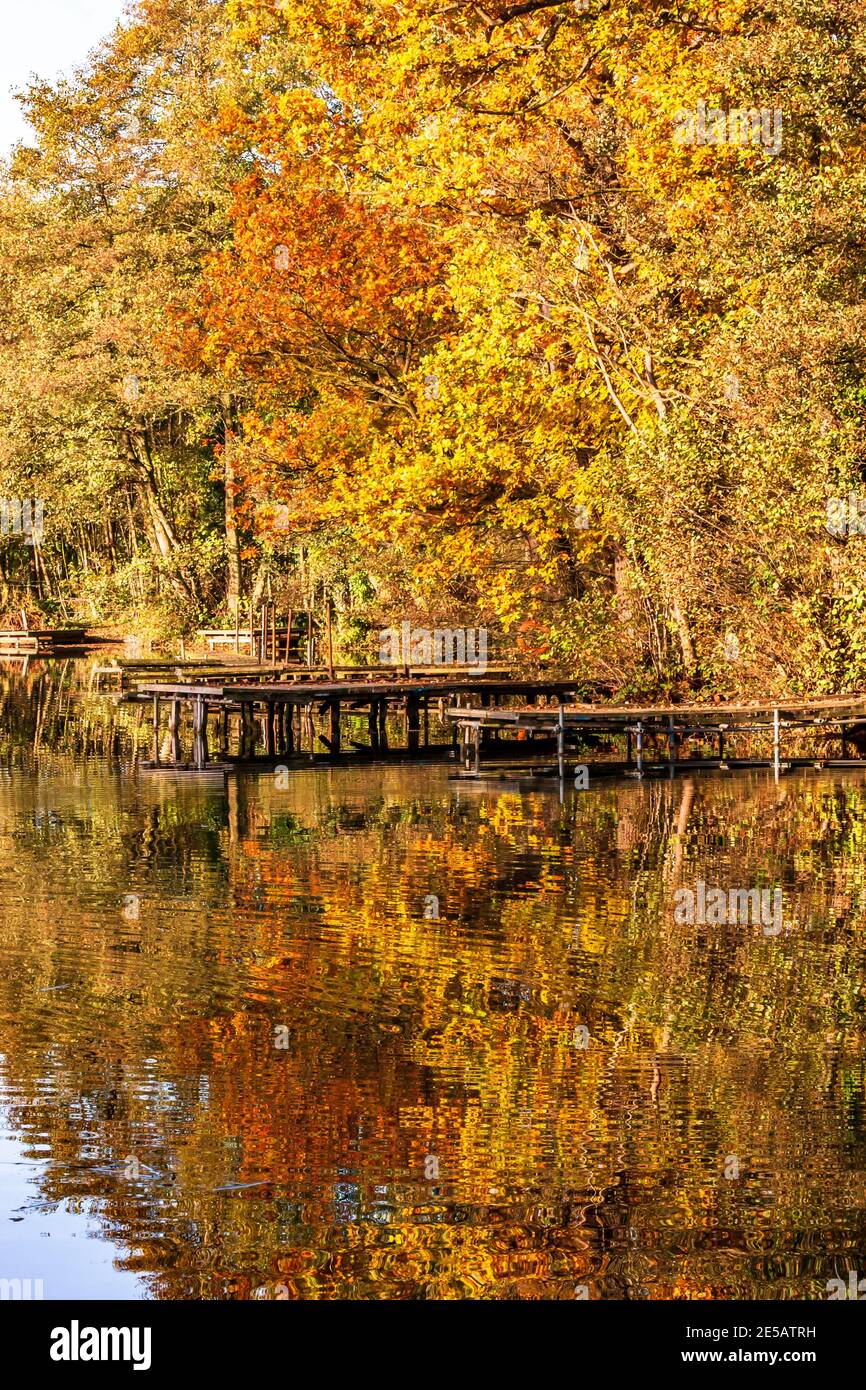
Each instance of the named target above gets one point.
<point>380,1033</point>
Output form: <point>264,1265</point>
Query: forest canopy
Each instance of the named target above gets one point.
<point>541,317</point>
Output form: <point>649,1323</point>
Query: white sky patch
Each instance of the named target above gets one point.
<point>45,38</point>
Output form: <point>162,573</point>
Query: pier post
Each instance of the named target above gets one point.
<point>199,727</point>
<point>383,724</point>
<point>173,728</point>
<point>270,744</point>
<point>776,749</point>
<point>413,723</point>
<point>672,741</point>
<point>560,742</point>
<point>629,752</point>
<point>639,732</point>
<point>247,742</point>
<point>334,713</point>
<point>373,726</point>
<point>484,702</point>
<point>844,742</point>
<point>198,716</point>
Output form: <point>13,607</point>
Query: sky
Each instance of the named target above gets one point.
<point>46,38</point>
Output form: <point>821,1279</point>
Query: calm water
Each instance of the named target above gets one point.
<point>241,1055</point>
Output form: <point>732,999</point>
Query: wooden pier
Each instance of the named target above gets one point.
<point>492,718</point>
<point>35,641</point>
<point>279,713</point>
<point>665,738</point>
<point>132,673</point>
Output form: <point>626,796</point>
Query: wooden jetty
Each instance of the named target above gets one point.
<point>657,738</point>
<point>35,641</point>
<point>491,717</point>
<point>14,643</point>
<point>284,708</point>
<point>125,673</point>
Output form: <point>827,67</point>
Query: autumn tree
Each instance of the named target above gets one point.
<point>580,449</point>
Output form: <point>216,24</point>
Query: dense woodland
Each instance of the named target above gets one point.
<point>429,312</point>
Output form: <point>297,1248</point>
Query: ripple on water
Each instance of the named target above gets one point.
<point>372,1036</point>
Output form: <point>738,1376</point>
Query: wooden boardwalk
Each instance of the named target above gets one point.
<point>492,717</point>
<point>35,641</point>
<point>280,711</point>
<point>132,673</point>
<point>657,737</point>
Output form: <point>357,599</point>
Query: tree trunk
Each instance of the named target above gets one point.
<point>233,549</point>
<point>683,633</point>
<point>162,541</point>
<point>158,529</point>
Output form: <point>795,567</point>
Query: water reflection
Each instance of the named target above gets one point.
<point>242,1056</point>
